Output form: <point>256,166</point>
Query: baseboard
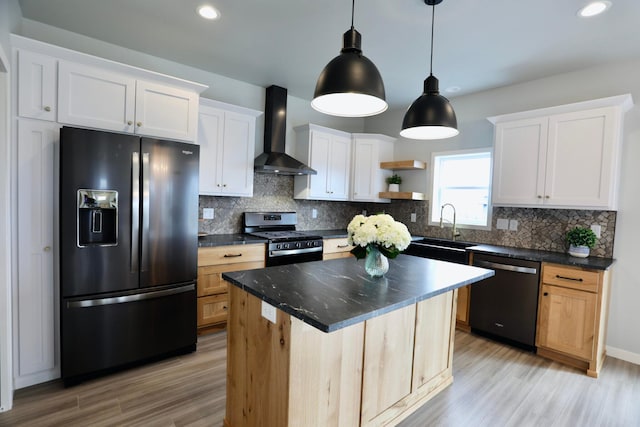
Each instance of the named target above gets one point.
<point>625,355</point>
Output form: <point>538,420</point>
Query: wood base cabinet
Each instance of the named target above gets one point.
<point>373,373</point>
<point>572,316</point>
<point>336,248</point>
<point>213,301</point>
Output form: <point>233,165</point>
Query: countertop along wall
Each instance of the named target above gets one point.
<point>476,131</point>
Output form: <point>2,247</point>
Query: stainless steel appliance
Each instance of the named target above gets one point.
<point>128,250</point>
<point>505,306</point>
<point>285,244</point>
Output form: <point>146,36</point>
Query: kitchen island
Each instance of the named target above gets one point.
<point>322,343</point>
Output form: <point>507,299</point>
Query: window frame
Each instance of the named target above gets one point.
<point>434,156</point>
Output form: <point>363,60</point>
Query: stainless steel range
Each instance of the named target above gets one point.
<point>286,245</point>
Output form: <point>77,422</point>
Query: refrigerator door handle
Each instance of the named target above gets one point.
<point>129,298</point>
<point>135,211</point>
<point>145,211</point>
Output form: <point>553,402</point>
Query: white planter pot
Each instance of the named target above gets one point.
<point>579,251</point>
<point>394,188</point>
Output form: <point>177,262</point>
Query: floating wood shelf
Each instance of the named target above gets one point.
<point>404,165</point>
<point>403,195</point>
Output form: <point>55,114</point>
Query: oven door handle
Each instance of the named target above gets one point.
<point>286,252</point>
<point>507,267</point>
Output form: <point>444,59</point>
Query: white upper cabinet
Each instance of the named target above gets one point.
<point>102,99</point>
<point>561,157</point>
<point>368,179</point>
<point>37,77</point>
<point>328,151</point>
<point>226,135</point>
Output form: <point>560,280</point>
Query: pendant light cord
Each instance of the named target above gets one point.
<point>433,14</point>
<point>353,8</point>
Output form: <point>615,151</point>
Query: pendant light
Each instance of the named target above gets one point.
<point>350,85</point>
<point>431,116</point>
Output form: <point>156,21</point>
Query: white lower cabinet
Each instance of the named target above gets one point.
<point>36,290</point>
<point>328,151</point>
<point>368,179</point>
<point>226,135</point>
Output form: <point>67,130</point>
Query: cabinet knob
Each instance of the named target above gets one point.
<point>546,197</point>
<point>129,122</point>
<point>224,185</point>
<point>217,185</point>
<point>47,108</point>
<point>545,294</point>
<point>539,196</point>
<point>139,124</point>
<point>47,248</point>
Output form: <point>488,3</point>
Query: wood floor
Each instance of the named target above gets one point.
<point>494,385</point>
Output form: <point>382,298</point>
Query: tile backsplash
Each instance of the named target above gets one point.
<point>537,228</point>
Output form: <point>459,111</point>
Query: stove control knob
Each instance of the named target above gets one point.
<point>278,246</point>
<point>285,246</point>
<point>316,243</point>
<point>298,245</point>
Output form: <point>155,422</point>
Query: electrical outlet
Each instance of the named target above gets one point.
<point>364,212</point>
<point>314,213</point>
<point>413,217</point>
<point>207,213</point>
<point>513,224</point>
<point>597,229</point>
<point>268,312</point>
<point>502,224</point>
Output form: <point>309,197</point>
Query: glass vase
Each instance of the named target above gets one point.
<point>375,264</point>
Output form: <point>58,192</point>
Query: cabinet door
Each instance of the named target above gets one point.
<point>566,321</point>
<point>237,155</point>
<point>37,86</point>
<point>519,162</point>
<point>339,168</point>
<point>319,160</point>
<point>581,158</point>
<point>166,112</point>
<point>364,186</point>
<point>210,135</point>
<point>36,296</point>
<point>95,98</point>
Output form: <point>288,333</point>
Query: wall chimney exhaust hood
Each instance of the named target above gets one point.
<point>274,159</point>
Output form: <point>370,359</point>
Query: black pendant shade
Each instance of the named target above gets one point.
<point>350,85</point>
<point>431,116</point>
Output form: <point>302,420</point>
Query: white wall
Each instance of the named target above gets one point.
<point>599,82</point>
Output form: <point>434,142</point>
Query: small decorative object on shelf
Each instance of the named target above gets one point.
<point>376,238</point>
<point>394,182</point>
<point>581,240</point>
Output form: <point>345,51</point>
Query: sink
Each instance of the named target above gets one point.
<point>440,249</point>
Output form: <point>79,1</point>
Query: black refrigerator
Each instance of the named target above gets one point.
<point>128,250</point>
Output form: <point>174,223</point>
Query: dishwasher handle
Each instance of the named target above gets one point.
<point>507,267</point>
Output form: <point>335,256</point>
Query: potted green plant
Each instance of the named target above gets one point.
<point>394,182</point>
<point>581,240</point>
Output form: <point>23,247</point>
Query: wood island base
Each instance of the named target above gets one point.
<point>373,373</point>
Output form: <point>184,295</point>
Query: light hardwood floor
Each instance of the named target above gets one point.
<point>494,385</point>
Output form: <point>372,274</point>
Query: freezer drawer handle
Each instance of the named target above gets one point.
<point>569,278</point>
<point>129,298</point>
<point>507,267</point>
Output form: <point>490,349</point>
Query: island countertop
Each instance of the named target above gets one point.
<point>334,294</point>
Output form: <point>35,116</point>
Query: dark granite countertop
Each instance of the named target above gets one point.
<point>595,263</point>
<point>334,294</point>
<point>228,239</point>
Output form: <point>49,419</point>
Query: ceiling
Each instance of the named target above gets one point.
<point>478,45</point>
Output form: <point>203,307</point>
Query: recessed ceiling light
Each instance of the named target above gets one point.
<point>208,12</point>
<point>594,8</point>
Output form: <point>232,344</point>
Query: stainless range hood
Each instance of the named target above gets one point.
<point>274,159</point>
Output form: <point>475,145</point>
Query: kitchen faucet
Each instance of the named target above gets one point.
<point>454,232</point>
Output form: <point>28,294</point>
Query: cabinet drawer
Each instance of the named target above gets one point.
<point>332,246</point>
<point>571,277</point>
<point>231,254</point>
<point>212,309</point>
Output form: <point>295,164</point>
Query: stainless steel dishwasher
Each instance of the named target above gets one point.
<point>505,306</point>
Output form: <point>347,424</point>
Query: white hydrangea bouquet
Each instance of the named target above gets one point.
<point>389,236</point>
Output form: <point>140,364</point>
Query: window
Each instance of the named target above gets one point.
<point>463,179</point>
